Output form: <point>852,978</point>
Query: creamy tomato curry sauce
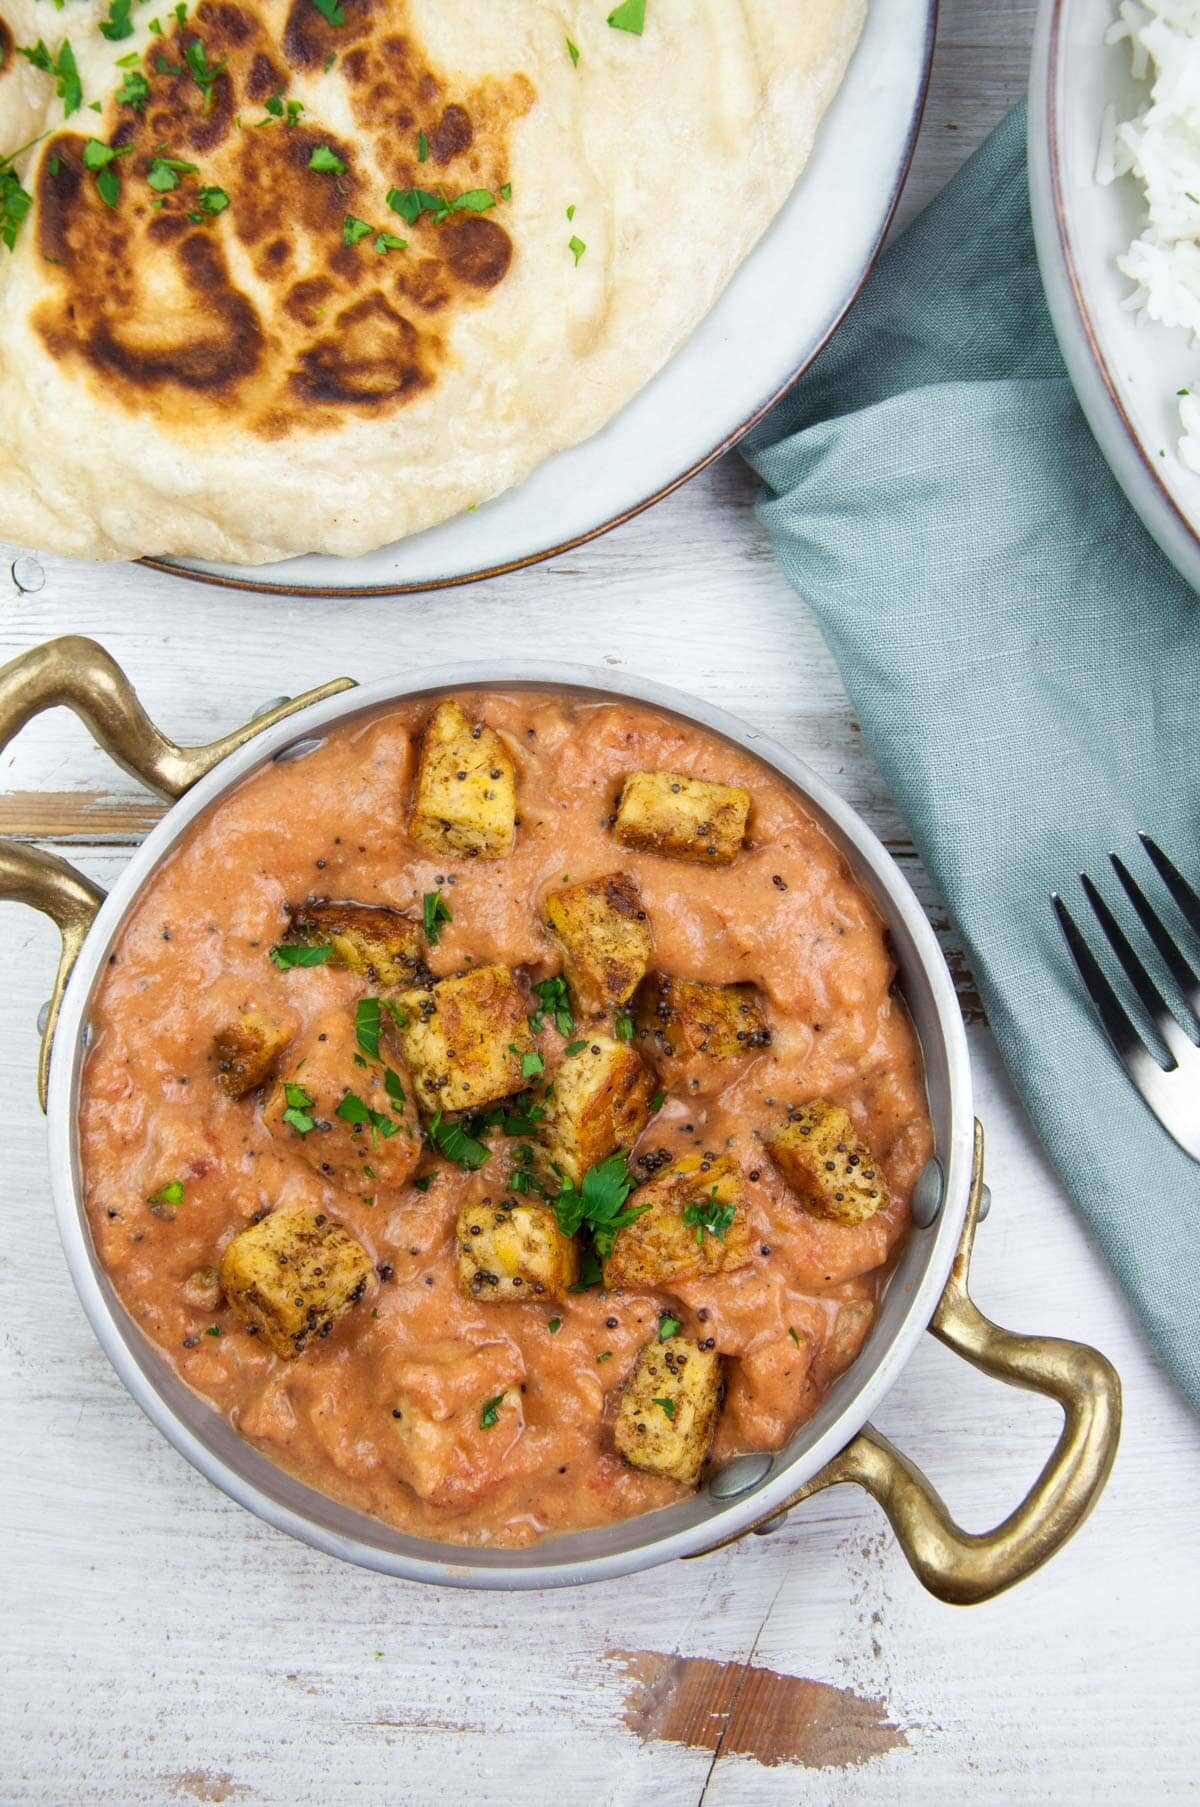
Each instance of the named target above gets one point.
<point>503,1112</point>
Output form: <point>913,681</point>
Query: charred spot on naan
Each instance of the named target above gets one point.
<point>264,313</point>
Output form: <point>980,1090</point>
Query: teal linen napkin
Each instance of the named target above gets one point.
<point>1025,664</point>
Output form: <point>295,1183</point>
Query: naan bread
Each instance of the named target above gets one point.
<point>245,385</point>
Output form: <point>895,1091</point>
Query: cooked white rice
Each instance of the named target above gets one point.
<point>1160,146</point>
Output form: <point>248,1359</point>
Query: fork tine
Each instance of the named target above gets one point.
<point>1151,999</point>
<point>1179,968</point>
<point>1129,1046</point>
<point>1173,879</point>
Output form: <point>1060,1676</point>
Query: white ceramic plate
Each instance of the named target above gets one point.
<point>767,327</point>
<point>1126,372</point>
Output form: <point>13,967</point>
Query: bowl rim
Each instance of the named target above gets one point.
<point>550,1562</point>
<point>1079,341</point>
<point>264,587</point>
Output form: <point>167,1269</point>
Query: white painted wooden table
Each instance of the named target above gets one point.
<point>160,1646</point>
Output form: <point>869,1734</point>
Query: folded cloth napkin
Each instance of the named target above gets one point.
<point>1025,664</point>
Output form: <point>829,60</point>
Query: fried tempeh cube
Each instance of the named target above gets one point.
<point>684,818</point>
<point>513,1252</point>
<point>684,1017</point>
<point>354,1121</point>
<point>694,1223</point>
<point>465,797</point>
<point>832,1172</point>
<point>668,1411</point>
<point>464,1038</point>
<point>247,1052</point>
<point>602,931</point>
<point>371,939</point>
<point>293,1276</point>
<point>600,1101</point>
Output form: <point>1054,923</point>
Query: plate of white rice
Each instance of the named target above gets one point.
<point>1114,164</point>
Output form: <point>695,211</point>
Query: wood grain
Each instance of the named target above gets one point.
<point>160,1646</point>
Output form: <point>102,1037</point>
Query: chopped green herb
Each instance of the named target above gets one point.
<point>118,24</point>
<point>387,241</point>
<point>299,1107</point>
<point>165,66</point>
<point>605,1357</point>
<point>170,1194</point>
<point>63,67</point>
<point>553,1002</point>
<point>476,200</point>
<point>97,154</point>
<point>422,148</point>
<point>392,1086</point>
<point>506,192</point>
<point>290,954</point>
<point>668,1406</point>
<point>577,248</point>
<point>668,1326</point>
<point>571,211</point>
<point>203,72</point>
<point>452,1140</point>
<point>532,1065</point>
<point>435,911</point>
<point>354,1111</point>
<point>134,91</point>
<point>658,1100</point>
<point>574,1048</point>
<point>793,1336</point>
<point>163,176</point>
<point>554,1326</point>
<point>129,62</point>
<point>353,229</point>
<point>326,161</point>
<point>598,1203</point>
<point>590,1271</point>
<point>424,1183</point>
<point>573,52</point>
<point>156,27</point>
<point>629,16</point>
<point>368,1019</point>
<point>213,1330</point>
<point>331,10</point>
<point>708,1214</point>
<point>397,1013</point>
<point>330,60</point>
<point>491,1412</point>
<point>15,201</point>
<point>624,1026</point>
<point>108,185</point>
<point>213,200</point>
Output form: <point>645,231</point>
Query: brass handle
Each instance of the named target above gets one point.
<point>964,1567</point>
<point>78,673</point>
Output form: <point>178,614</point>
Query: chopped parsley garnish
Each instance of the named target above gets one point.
<point>590,1271</point>
<point>552,1002</point>
<point>100,157</point>
<point>794,1337</point>
<point>293,953</point>
<point>658,1100</point>
<point>354,229</point>
<point>452,1140</point>
<point>554,1326</point>
<point>170,1194</point>
<point>331,10</point>
<point>368,1019</point>
<point>213,200</point>
<point>668,1406</point>
<point>134,90</point>
<point>213,1330</point>
<point>326,161</point>
<point>599,1204</point>
<point>709,1214</point>
<point>491,1412</point>
<point>422,148</point>
<point>606,1356</point>
<point>521,1177</point>
<point>118,24</point>
<point>330,60</point>
<point>424,1183</point>
<point>624,1026</point>
<point>163,176</point>
<point>577,248</point>
<point>434,912</point>
<point>574,1048</point>
<point>392,1086</point>
<point>278,108</point>
<point>355,1111</point>
<point>165,66</point>
<point>571,211</point>
<point>15,201</point>
<point>532,1065</point>
<point>387,241</point>
<point>573,52</point>
<point>203,73</point>
<point>411,203</point>
<point>397,1013</point>
<point>668,1327</point>
<point>299,1107</point>
<point>629,16</point>
<point>63,67</point>
<point>506,192</point>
